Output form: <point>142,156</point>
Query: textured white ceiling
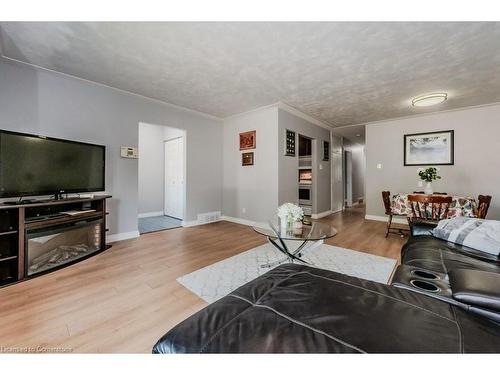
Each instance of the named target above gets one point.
<point>341,73</point>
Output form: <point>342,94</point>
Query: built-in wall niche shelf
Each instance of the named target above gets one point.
<point>305,161</point>
<point>305,147</point>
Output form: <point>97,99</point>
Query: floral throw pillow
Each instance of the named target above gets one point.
<point>463,206</point>
<point>399,204</point>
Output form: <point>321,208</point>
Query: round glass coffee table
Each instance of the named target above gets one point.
<point>309,234</point>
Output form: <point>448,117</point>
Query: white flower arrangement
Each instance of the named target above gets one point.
<point>290,212</point>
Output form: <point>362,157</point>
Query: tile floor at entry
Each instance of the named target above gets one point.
<point>156,223</point>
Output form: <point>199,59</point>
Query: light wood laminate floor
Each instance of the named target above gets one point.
<point>125,298</point>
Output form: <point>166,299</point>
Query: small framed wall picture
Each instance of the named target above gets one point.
<point>326,151</point>
<point>289,143</point>
<point>248,140</point>
<point>247,159</point>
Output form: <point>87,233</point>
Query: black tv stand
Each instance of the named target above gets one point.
<point>19,221</point>
<point>21,202</point>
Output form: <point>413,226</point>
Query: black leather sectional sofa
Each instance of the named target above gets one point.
<point>299,309</point>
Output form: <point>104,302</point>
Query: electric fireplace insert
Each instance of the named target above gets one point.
<point>53,247</point>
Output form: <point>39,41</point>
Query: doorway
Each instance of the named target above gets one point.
<point>161,185</point>
<point>350,146</point>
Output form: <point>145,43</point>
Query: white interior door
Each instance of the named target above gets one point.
<point>174,178</point>
<point>348,178</point>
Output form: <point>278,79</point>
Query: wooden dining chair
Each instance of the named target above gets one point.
<point>483,205</point>
<point>386,197</point>
<point>428,208</point>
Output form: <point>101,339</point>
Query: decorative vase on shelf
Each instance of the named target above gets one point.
<point>428,188</point>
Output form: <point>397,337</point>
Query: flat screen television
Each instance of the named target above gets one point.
<point>36,165</point>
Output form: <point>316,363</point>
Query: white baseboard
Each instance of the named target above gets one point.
<point>237,220</point>
<point>396,220</point>
<point>356,201</point>
<point>121,236</point>
<point>321,214</point>
<point>150,214</point>
<point>193,223</point>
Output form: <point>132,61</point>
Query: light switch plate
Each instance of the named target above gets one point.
<point>129,152</point>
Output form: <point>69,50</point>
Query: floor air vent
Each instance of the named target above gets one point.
<point>209,217</point>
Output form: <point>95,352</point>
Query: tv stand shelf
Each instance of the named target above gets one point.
<point>17,220</point>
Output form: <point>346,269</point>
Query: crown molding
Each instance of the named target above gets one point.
<point>174,106</point>
<point>294,111</point>
<point>417,115</point>
<point>274,105</point>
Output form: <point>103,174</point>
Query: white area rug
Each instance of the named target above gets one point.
<point>215,281</point>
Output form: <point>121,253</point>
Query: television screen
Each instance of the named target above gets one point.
<point>36,165</point>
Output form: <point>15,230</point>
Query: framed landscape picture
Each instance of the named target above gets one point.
<point>248,140</point>
<point>435,148</point>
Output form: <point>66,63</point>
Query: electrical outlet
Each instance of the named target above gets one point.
<point>244,210</point>
<point>379,166</point>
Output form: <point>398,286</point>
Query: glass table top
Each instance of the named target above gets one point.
<point>314,232</point>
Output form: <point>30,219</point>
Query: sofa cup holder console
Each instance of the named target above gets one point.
<point>425,274</point>
<point>425,285</point>
<point>434,284</point>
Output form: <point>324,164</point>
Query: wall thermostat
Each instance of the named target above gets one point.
<point>129,152</point>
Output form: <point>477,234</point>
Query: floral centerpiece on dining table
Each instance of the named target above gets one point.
<point>290,216</point>
<point>428,175</point>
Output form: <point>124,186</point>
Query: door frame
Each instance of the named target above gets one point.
<point>348,177</point>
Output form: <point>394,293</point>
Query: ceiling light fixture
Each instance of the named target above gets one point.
<point>429,99</point>
<point>358,135</point>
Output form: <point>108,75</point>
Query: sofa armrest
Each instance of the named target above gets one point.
<point>476,288</point>
<point>421,228</point>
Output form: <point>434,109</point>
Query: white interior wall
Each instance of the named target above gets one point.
<point>288,166</point>
<point>251,192</point>
<point>477,141</point>
<point>37,101</point>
